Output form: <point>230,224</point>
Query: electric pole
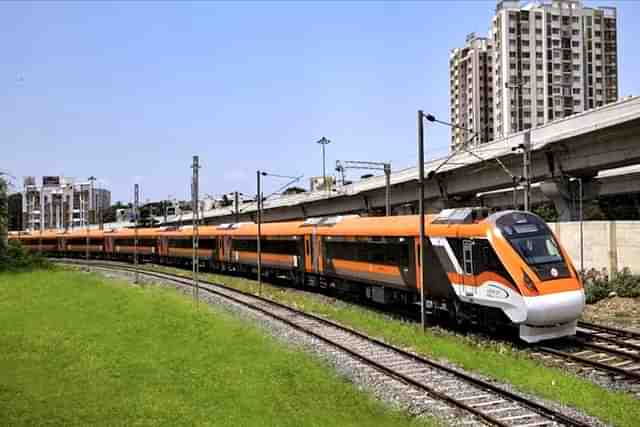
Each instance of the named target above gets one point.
<point>379,166</point>
<point>195,218</point>
<point>526,169</point>
<point>259,221</point>
<point>236,205</point>
<point>136,198</point>
<point>423,318</point>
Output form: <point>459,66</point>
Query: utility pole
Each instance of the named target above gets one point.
<point>581,227</point>
<point>136,198</point>
<point>259,221</point>
<point>4,216</point>
<point>42,225</point>
<point>421,214</point>
<point>526,169</point>
<point>236,205</point>
<point>516,86</point>
<point>385,167</point>
<point>259,175</point>
<point>195,262</point>
<point>86,227</point>
<point>164,203</point>
<point>324,141</point>
<point>87,219</point>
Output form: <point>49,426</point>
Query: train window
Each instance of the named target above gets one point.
<point>132,242</point>
<point>183,243</point>
<point>375,253</point>
<point>284,247</point>
<point>467,254</point>
<point>81,241</point>
<point>245,245</point>
<point>487,260</point>
<point>207,243</point>
<point>404,255</point>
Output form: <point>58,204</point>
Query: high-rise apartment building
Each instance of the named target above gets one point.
<point>549,61</point>
<point>471,85</point>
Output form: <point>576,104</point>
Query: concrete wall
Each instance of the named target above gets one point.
<point>607,244</point>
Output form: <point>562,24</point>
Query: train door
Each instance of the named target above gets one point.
<point>308,259</point>
<point>316,253</point>
<point>226,248</point>
<point>468,268</point>
<point>163,243</point>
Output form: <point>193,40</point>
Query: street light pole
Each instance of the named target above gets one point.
<point>421,214</point>
<point>324,141</point>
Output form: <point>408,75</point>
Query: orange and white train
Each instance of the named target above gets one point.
<point>504,269</point>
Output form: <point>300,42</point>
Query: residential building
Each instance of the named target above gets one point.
<point>62,203</point>
<point>471,86</point>
<point>549,61</point>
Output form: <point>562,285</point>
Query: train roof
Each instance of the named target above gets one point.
<point>290,228</point>
<point>399,226</point>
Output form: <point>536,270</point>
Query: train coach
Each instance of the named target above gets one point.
<point>506,269</point>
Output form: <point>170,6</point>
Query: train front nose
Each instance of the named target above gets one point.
<point>551,309</point>
<point>552,316</point>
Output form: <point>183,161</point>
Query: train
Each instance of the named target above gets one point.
<point>497,270</point>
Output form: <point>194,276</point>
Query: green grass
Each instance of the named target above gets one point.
<point>493,359</point>
<point>78,349</point>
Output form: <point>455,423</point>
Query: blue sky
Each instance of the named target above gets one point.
<point>128,92</point>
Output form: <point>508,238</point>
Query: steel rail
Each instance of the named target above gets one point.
<point>602,366</point>
<point>617,352</point>
<point>551,414</point>
<point>610,330</point>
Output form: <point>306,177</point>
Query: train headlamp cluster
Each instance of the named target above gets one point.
<point>528,282</point>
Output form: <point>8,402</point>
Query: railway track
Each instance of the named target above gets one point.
<point>488,403</point>
<point>608,351</point>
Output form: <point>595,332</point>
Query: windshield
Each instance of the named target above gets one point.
<point>537,249</point>
<point>533,241</point>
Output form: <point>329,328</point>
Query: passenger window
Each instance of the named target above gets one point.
<point>467,254</point>
<point>376,254</point>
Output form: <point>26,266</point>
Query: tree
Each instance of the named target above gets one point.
<point>546,211</point>
<point>109,215</point>
<point>4,217</point>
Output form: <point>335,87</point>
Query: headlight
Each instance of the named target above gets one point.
<point>528,282</point>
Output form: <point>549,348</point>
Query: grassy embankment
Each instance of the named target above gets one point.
<point>78,349</point>
<point>494,360</point>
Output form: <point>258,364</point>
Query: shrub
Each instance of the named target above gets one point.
<point>598,285</point>
<point>626,284</point>
<point>18,258</point>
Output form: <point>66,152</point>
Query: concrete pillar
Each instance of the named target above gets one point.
<point>613,249</point>
<point>565,195</point>
<point>558,191</point>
